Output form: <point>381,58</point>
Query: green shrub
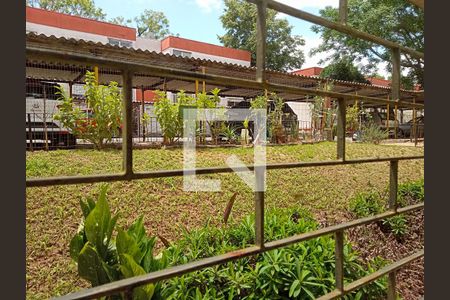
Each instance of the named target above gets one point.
<point>411,191</point>
<point>372,133</point>
<point>229,133</point>
<point>352,117</point>
<point>105,104</point>
<point>168,117</point>
<point>300,271</point>
<point>397,225</point>
<point>366,204</point>
<point>101,259</point>
<point>369,204</point>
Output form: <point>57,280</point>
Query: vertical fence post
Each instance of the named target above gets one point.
<point>395,85</point>
<point>388,117</point>
<point>339,253</point>
<point>414,129</point>
<point>343,11</point>
<point>261,41</point>
<point>341,128</point>
<point>259,209</point>
<point>30,132</point>
<point>143,113</point>
<point>127,130</point>
<point>44,117</point>
<point>395,121</point>
<point>203,83</point>
<point>260,77</point>
<point>391,291</point>
<point>70,89</point>
<point>393,184</point>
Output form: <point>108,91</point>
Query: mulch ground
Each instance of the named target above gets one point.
<point>373,240</point>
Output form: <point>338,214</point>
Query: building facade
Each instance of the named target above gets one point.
<point>49,23</point>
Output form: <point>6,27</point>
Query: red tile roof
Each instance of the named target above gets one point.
<point>313,71</point>
<point>379,81</point>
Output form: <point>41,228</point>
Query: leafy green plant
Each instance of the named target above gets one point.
<point>295,131</point>
<point>352,114</point>
<point>372,133</point>
<point>101,259</point>
<point>211,102</point>
<point>145,119</point>
<point>168,117</point>
<point>366,204</point>
<point>323,112</point>
<point>105,119</point>
<point>300,271</point>
<point>398,225</point>
<point>411,192</point>
<point>229,133</point>
<point>91,247</point>
<point>245,123</point>
<point>275,120</point>
<point>259,102</point>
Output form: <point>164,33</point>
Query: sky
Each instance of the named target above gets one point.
<point>199,19</point>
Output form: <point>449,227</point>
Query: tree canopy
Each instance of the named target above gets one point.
<point>152,24</point>
<point>343,70</point>
<point>283,51</point>
<point>395,20</point>
<point>121,21</point>
<point>82,8</point>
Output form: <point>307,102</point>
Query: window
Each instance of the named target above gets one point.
<point>121,43</point>
<point>182,53</point>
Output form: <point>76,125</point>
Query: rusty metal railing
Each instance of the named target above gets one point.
<point>128,69</point>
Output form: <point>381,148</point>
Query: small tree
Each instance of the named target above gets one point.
<point>167,115</point>
<point>211,102</point>
<point>323,112</point>
<point>352,115</point>
<point>145,119</point>
<point>275,117</point>
<point>343,70</point>
<point>372,133</point>
<point>104,103</point>
<point>152,24</point>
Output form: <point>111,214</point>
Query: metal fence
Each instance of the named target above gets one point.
<point>127,70</point>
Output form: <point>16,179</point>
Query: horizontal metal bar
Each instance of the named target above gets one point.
<point>374,276</point>
<point>343,226</point>
<point>71,57</point>
<point>125,284</point>
<point>64,180</point>
<point>300,14</point>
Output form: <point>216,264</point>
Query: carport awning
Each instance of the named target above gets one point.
<point>61,71</point>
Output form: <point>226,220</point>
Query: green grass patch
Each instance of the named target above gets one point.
<point>53,212</point>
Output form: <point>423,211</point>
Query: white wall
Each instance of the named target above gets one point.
<point>303,112</point>
<point>59,32</point>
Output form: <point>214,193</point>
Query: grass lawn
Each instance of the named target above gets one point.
<point>53,213</point>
